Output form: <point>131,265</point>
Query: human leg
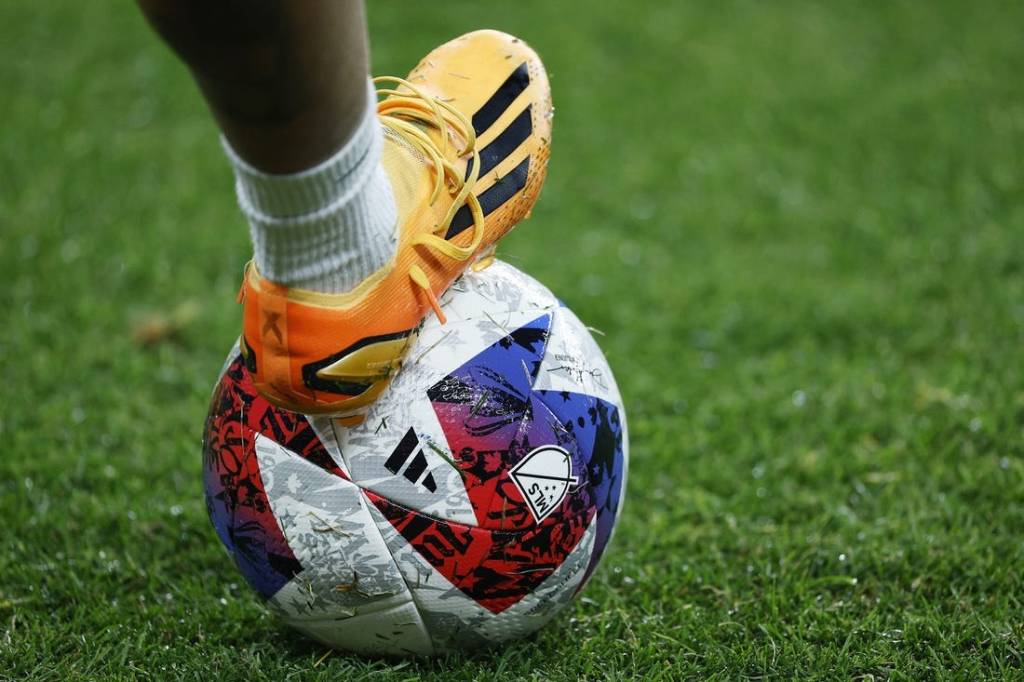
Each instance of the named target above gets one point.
<point>336,294</point>
<point>288,84</point>
<point>285,80</point>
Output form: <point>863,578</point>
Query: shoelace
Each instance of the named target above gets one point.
<point>404,112</point>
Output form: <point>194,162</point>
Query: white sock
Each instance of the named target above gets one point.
<point>326,228</point>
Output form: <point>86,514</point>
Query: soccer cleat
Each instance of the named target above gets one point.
<point>467,138</point>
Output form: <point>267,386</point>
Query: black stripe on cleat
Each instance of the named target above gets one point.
<point>504,144</point>
<point>498,193</point>
<point>501,99</point>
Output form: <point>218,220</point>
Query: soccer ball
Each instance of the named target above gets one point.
<point>469,507</point>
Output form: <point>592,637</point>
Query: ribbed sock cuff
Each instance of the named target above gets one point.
<point>328,227</point>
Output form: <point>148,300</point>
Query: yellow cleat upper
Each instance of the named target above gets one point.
<point>467,139</point>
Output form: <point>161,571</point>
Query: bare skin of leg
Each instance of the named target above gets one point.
<point>285,79</point>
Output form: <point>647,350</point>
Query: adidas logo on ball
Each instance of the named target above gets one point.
<point>413,472</point>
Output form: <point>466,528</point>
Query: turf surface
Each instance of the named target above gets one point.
<point>799,224</point>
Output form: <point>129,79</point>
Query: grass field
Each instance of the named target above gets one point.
<point>800,226</point>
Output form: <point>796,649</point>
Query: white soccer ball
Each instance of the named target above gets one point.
<point>469,507</point>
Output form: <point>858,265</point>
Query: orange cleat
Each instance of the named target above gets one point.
<point>466,143</point>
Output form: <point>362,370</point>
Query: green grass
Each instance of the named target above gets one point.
<point>801,226</point>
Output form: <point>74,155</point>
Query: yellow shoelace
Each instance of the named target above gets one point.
<point>406,112</point>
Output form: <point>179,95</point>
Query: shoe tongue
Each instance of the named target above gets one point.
<point>408,171</point>
<point>412,179</point>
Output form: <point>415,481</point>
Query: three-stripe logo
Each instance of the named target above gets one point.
<point>417,464</point>
<point>501,148</point>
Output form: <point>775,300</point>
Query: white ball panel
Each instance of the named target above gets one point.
<point>574,362</point>
<point>395,630</point>
<point>455,621</point>
<point>495,290</point>
<point>325,520</point>
<point>325,431</point>
<point>443,607</point>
